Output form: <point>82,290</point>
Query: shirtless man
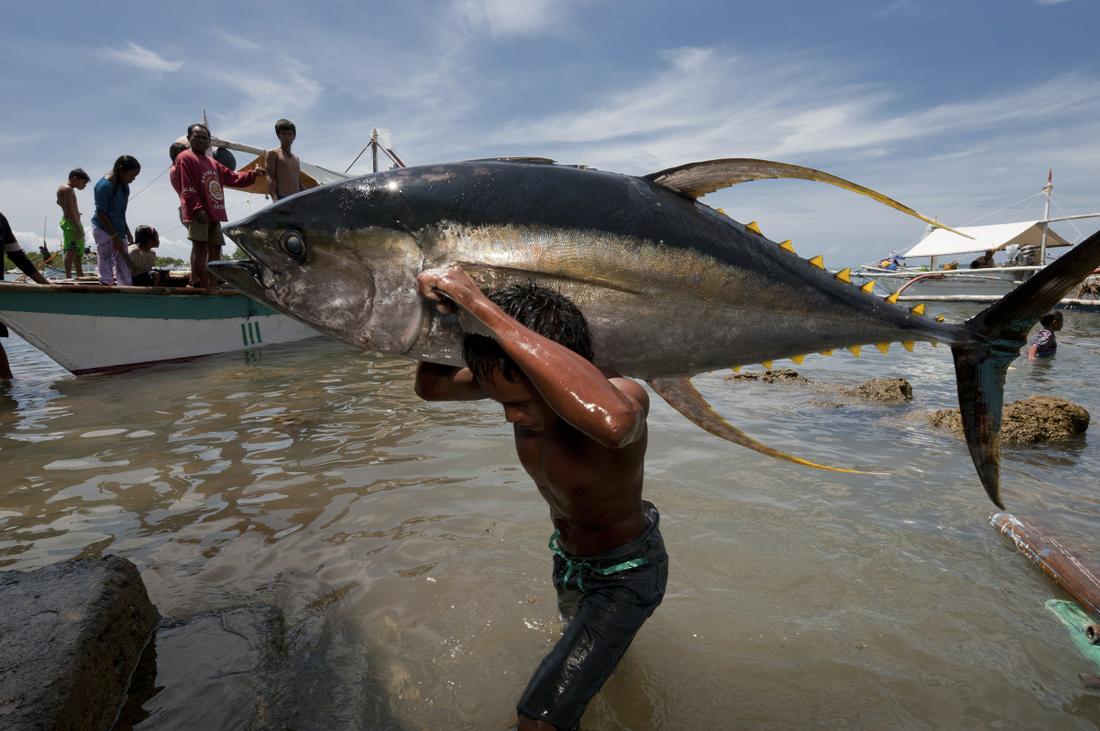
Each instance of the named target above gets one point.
<point>72,230</point>
<point>282,164</point>
<point>581,436</point>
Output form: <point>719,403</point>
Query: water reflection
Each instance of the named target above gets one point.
<point>406,549</point>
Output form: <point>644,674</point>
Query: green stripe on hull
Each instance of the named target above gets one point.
<point>110,304</point>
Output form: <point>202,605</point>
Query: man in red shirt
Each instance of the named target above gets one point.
<point>202,200</point>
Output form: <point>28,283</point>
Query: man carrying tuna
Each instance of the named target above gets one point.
<point>581,436</point>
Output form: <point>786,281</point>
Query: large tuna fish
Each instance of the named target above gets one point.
<point>669,286</point>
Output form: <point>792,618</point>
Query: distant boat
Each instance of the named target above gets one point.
<point>937,268</point>
<point>96,329</point>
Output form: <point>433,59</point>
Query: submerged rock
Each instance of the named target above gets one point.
<point>1034,420</point>
<point>213,670</point>
<point>72,635</point>
<point>884,390</point>
<point>776,375</point>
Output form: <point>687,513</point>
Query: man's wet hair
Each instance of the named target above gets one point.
<point>285,124</point>
<point>79,174</point>
<point>175,149</point>
<point>544,311</point>
<point>1050,318</point>
<point>144,234</point>
<point>197,124</point>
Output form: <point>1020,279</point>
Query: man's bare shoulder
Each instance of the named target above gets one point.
<point>632,390</point>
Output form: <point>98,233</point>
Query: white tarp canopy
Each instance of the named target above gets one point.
<point>996,236</point>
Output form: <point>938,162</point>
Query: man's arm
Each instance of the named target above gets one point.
<point>437,382</point>
<point>233,179</point>
<point>610,413</point>
<point>271,161</point>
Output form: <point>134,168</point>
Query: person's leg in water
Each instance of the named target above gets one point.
<point>605,599</point>
<point>5,367</point>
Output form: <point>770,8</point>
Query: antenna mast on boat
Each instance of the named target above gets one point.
<point>1047,190</point>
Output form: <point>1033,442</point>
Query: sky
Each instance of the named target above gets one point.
<point>957,109</point>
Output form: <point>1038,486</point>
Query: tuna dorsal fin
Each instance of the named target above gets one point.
<point>682,396</point>
<point>696,179</point>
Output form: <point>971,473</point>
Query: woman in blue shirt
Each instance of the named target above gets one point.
<point>112,234</point>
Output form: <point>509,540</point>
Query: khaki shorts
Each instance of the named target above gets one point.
<point>206,233</point>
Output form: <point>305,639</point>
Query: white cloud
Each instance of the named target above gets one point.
<point>236,41</point>
<point>511,17</point>
<point>143,58</point>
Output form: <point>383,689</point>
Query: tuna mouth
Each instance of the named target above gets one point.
<point>243,275</point>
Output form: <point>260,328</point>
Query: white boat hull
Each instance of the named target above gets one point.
<point>98,329</point>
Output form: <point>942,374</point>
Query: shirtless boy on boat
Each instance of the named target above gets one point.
<point>581,436</point>
<point>72,230</point>
<point>282,164</point>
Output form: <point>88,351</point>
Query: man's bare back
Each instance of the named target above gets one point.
<point>66,198</point>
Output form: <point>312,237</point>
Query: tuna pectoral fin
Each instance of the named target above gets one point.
<point>995,337</point>
<point>682,396</point>
<point>696,179</point>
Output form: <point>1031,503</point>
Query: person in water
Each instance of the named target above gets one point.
<point>1045,344</point>
<point>580,434</point>
<point>9,247</point>
<point>72,230</point>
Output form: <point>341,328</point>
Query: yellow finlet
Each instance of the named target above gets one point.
<point>908,345</point>
<point>934,343</point>
<point>736,369</point>
<point>767,364</point>
<point>883,348</point>
<point>754,227</point>
<point>868,288</point>
<point>892,298</point>
<point>940,318</point>
<point>798,359</point>
<point>818,261</point>
<point>788,246</point>
<point>826,352</point>
<point>855,350</point>
<point>918,310</point>
<point>722,211</point>
<point>845,275</point>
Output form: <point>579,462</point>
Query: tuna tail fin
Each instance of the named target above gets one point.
<point>995,337</point>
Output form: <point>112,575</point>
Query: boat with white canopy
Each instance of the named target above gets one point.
<point>981,265</point>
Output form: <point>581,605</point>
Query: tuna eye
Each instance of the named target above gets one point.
<point>294,245</point>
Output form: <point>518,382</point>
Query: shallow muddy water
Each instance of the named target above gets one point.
<point>407,548</point>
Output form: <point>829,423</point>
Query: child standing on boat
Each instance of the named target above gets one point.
<point>109,227</point>
<point>72,230</point>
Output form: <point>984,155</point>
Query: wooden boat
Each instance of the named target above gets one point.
<point>95,329</point>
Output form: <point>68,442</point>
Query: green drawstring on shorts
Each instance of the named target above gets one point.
<point>572,566</point>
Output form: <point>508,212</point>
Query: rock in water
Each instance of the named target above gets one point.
<point>1034,420</point>
<point>885,390</point>
<point>72,635</point>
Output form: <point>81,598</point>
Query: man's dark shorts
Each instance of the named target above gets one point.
<point>603,612</point>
